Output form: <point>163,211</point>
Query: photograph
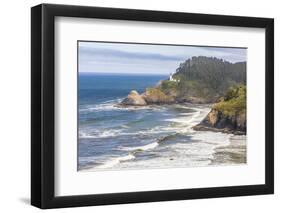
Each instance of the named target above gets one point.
<point>139,105</point>
<point>156,106</point>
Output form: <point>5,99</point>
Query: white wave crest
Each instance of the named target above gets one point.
<point>122,132</point>
<point>142,148</point>
<point>100,134</point>
<point>113,105</point>
<point>99,107</point>
<point>215,138</point>
<point>114,161</point>
<point>186,122</point>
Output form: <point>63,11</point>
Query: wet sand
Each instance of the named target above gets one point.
<point>234,153</point>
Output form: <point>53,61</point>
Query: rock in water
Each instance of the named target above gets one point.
<point>134,99</point>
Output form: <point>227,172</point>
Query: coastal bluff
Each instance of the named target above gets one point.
<point>203,80</point>
<point>228,115</point>
<point>217,121</point>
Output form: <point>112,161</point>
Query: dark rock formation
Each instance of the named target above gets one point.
<point>229,114</point>
<point>220,122</point>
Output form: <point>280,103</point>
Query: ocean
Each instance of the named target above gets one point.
<point>117,138</point>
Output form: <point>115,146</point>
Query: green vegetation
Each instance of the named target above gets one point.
<point>228,115</point>
<point>205,77</point>
<point>234,102</point>
<point>208,80</point>
<point>167,86</point>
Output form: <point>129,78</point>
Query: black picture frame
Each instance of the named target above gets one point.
<point>43,102</point>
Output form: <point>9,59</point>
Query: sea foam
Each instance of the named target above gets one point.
<point>142,148</point>
<point>114,161</point>
<point>99,134</point>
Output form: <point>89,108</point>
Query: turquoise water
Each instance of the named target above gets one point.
<point>111,137</point>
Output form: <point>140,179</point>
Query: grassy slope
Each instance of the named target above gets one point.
<point>229,114</point>
<point>234,102</point>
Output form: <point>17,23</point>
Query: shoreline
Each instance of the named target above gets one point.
<point>200,127</point>
<point>233,153</point>
<point>197,127</point>
<point>220,153</point>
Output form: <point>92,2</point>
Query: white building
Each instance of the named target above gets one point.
<point>171,78</point>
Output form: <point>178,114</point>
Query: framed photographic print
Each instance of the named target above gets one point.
<point>139,106</point>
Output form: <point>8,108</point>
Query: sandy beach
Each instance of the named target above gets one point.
<point>233,153</point>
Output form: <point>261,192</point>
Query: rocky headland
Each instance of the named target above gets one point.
<point>219,122</point>
<point>228,115</point>
<point>203,80</point>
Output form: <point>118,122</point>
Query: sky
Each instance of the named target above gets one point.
<point>103,57</point>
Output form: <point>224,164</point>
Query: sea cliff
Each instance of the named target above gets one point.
<point>203,80</point>
<point>228,115</point>
<point>219,122</point>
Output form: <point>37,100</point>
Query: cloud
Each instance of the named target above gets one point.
<point>84,51</point>
<point>109,57</point>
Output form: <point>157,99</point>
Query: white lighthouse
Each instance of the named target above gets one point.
<point>171,77</point>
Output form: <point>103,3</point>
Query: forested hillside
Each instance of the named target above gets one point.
<point>205,78</point>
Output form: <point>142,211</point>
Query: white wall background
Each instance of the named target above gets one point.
<point>15,105</point>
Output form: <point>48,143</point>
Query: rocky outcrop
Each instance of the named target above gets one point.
<point>156,96</point>
<point>150,96</point>
<point>229,114</point>
<point>134,99</point>
<point>198,80</point>
<point>218,121</point>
